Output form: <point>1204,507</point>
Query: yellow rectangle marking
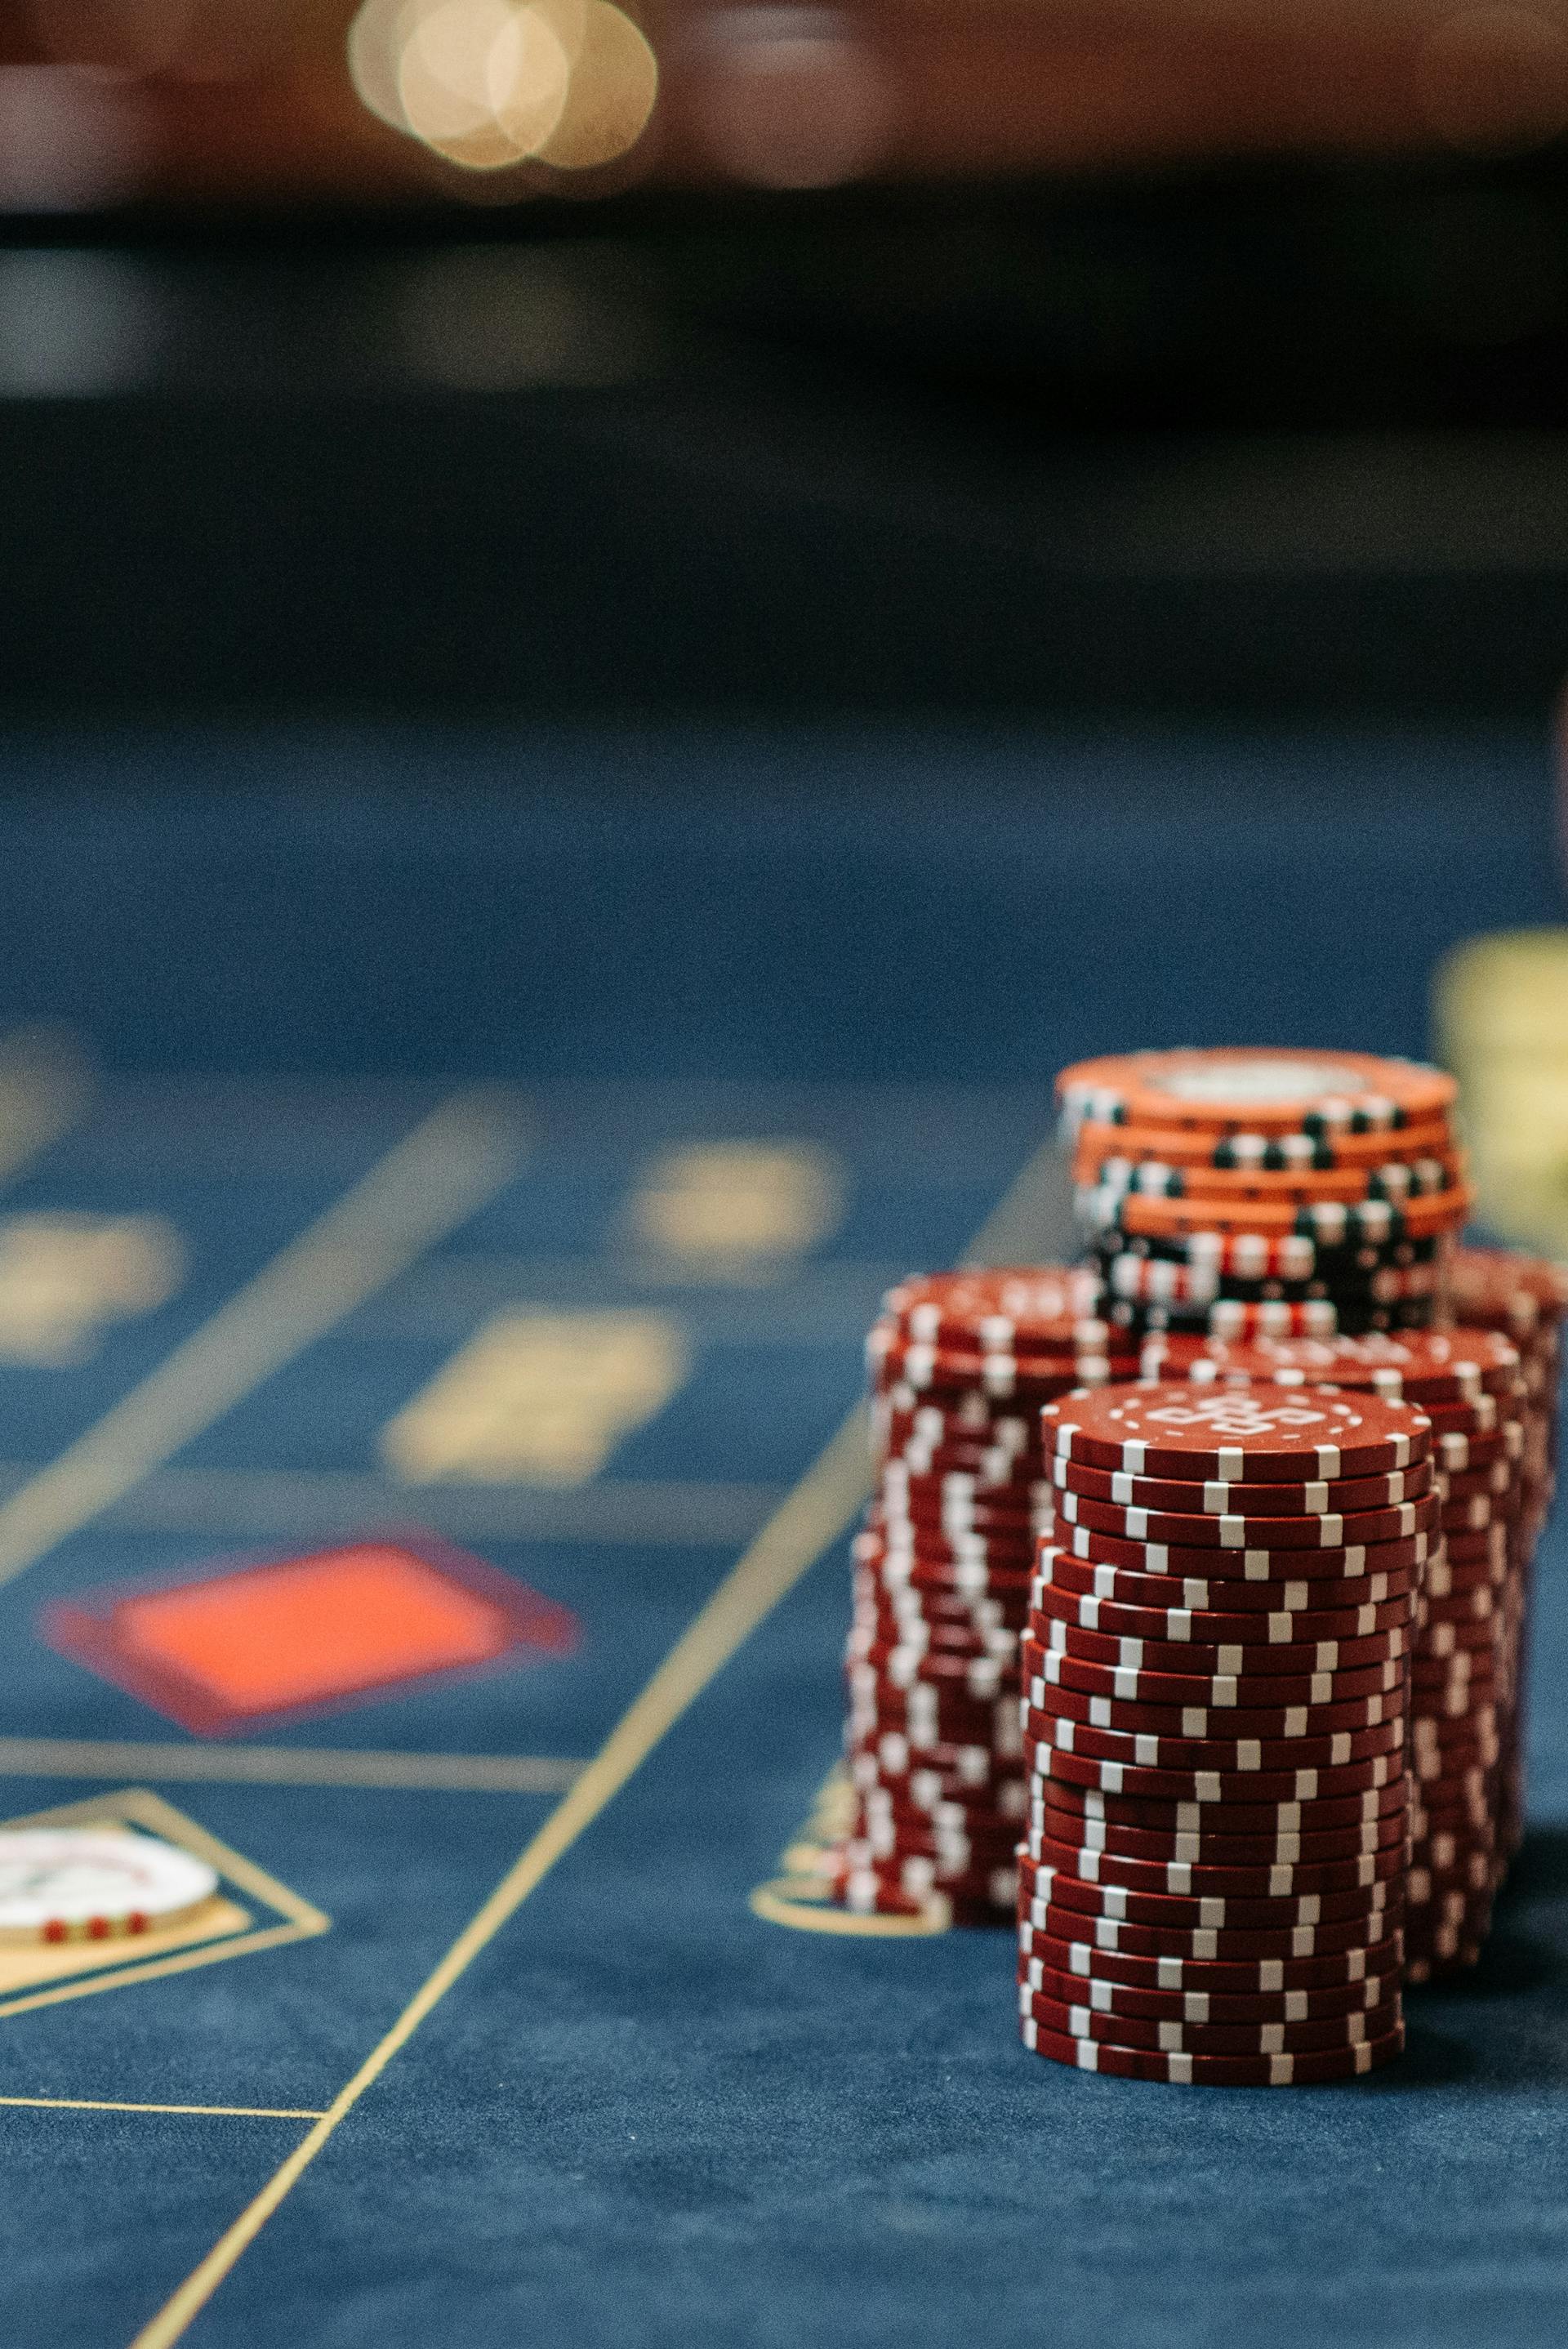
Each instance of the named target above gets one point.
<point>538,1397</point>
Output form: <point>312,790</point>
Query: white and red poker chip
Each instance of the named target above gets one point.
<point>95,1883</point>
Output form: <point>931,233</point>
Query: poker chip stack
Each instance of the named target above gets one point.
<point>1242,1193</point>
<point>1464,1730</point>
<point>960,1367</point>
<point>1215,1677</point>
<point>1523,1298</point>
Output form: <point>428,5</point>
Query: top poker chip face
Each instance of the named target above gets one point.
<point>1022,1310</point>
<point>1256,1091</point>
<point>1226,1435</point>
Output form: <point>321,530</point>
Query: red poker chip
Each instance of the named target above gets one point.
<point>979,1428</point>
<point>951,1856</point>
<point>985,1833</point>
<point>1199,1754</point>
<point>1008,1590</point>
<point>1418,1367</point>
<point>1445,1850</point>
<point>1378,1806</point>
<point>906,1602</point>
<point>952,1542</point>
<point>918,1570</point>
<point>1342,1941</point>
<point>932,1715</point>
<point>1173,1623</point>
<point>1343,1496</point>
<point>1237,1533</point>
<point>1058,1620</point>
<point>1462,1455</point>
<point>1029,1307</point>
<point>891,1647</point>
<point>907,1615</point>
<point>870,1894</point>
<point>930,1794</point>
<point>1209,1846</point>
<point>1202,1880</point>
<point>1347,1564</point>
<point>1074,1690</point>
<point>1489,1547</point>
<point>1004,1377</point>
<point>1353,1973</point>
<point>895,1752</point>
<point>1477,1418</point>
<point>1217,2071</point>
<point>919,1872</point>
<point>1209,1594</point>
<point>1274,2038</point>
<point>1375,1915</point>
<point>1208,1787</point>
<point>983,1534</point>
<point>1498,1479</point>
<point>1495,1288</point>
<point>1023,1486</point>
<point>1203,2010</point>
<point>947,1538</point>
<point>1325,1700</point>
<point>1169,1431</point>
<point>983,1678</point>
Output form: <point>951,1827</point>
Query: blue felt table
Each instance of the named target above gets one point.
<point>643,2115</point>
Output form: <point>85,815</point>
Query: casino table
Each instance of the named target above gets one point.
<point>486,1149</point>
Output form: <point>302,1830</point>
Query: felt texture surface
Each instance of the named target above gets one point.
<point>645,2116</point>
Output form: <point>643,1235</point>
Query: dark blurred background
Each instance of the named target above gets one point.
<point>464,356</point>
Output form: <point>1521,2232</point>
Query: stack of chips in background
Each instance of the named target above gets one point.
<point>1464,1710</point>
<point>1243,1192</point>
<point>1523,1298</point>
<point>1215,1683</point>
<point>960,1366</point>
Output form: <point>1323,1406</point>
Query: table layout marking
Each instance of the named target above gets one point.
<point>814,1514</point>
<point>432,1181</point>
<point>288,1765</point>
<point>196,2112</point>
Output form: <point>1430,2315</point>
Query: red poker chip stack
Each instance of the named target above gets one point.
<point>1523,1298</point>
<point>1216,1674</point>
<point>961,1364</point>
<point>1465,1714</point>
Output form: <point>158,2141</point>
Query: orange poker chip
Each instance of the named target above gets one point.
<point>1175,1146</point>
<point>1331,1222</point>
<point>1249,1090</point>
<point>1426,1177</point>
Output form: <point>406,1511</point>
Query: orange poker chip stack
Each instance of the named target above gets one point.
<point>1246,1193</point>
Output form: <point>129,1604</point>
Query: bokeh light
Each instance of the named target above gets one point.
<point>492,83</point>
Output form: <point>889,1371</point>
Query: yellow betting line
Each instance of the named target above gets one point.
<point>433,1180</point>
<point>794,1538</point>
<point>286,1766</point>
<point>200,2112</point>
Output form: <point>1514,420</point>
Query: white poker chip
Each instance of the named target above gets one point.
<point>94,1884</point>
